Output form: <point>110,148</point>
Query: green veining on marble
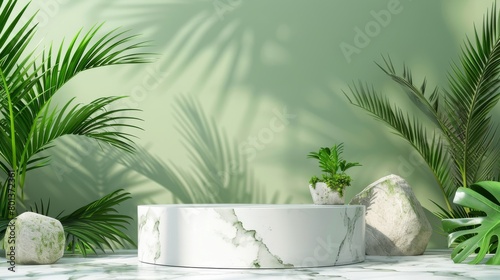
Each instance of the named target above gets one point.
<point>351,225</point>
<point>151,217</point>
<point>241,230</point>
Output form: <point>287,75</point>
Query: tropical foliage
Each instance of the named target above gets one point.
<point>30,122</point>
<point>334,166</point>
<point>452,129</point>
<point>476,235</point>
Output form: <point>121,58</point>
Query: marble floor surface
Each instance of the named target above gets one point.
<point>124,265</point>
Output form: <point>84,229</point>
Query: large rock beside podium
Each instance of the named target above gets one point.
<point>32,238</point>
<point>396,224</point>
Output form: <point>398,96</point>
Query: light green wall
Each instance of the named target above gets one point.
<point>243,61</point>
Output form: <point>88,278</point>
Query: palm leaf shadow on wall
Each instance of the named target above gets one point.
<point>250,59</point>
<point>256,52</point>
<point>236,45</point>
<point>85,169</point>
<point>218,173</point>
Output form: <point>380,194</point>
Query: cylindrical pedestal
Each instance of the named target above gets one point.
<point>251,235</point>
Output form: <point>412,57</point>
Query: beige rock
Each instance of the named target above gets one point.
<point>396,224</point>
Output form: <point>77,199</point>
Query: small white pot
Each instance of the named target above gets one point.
<point>322,194</point>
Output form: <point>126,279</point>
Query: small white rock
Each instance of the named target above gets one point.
<point>396,224</point>
<point>38,239</point>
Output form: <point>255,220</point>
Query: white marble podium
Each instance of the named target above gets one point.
<point>251,235</point>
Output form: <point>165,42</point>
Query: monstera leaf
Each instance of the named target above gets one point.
<point>476,235</point>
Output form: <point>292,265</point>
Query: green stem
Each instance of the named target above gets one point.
<point>12,132</point>
<point>11,116</point>
<point>464,176</point>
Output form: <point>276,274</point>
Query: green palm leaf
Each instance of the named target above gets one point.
<point>91,120</point>
<point>476,235</point>
<point>44,124</point>
<point>29,123</point>
<point>432,149</point>
<point>93,226</point>
<point>462,147</point>
<point>31,84</point>
<point>17,80</point>
<point>428,104</point>
<point>4,211</point>
<point>14,40</point>
<point>84,53</point>
<point>97,224</point>
<point>474,92</point>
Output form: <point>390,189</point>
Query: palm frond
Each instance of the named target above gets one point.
<point>431,148</point>
<point>7,202</point>
<point>90,120</point>
<point>86,52</point>
<point>456,212</point>
<point>32,84</point>
<point>43,208</point>
<point>3,226</point>
<point>97,224</point>
<point>474,92</point>
<point>4,197</point>
<point>463,147</point>
<point>17,80</point>
<point>82,54</point>
<point>29,124</point>
<point>14,40</point>
<point>428,104</point>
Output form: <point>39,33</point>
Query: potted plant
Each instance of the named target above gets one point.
<point>329,189</point>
